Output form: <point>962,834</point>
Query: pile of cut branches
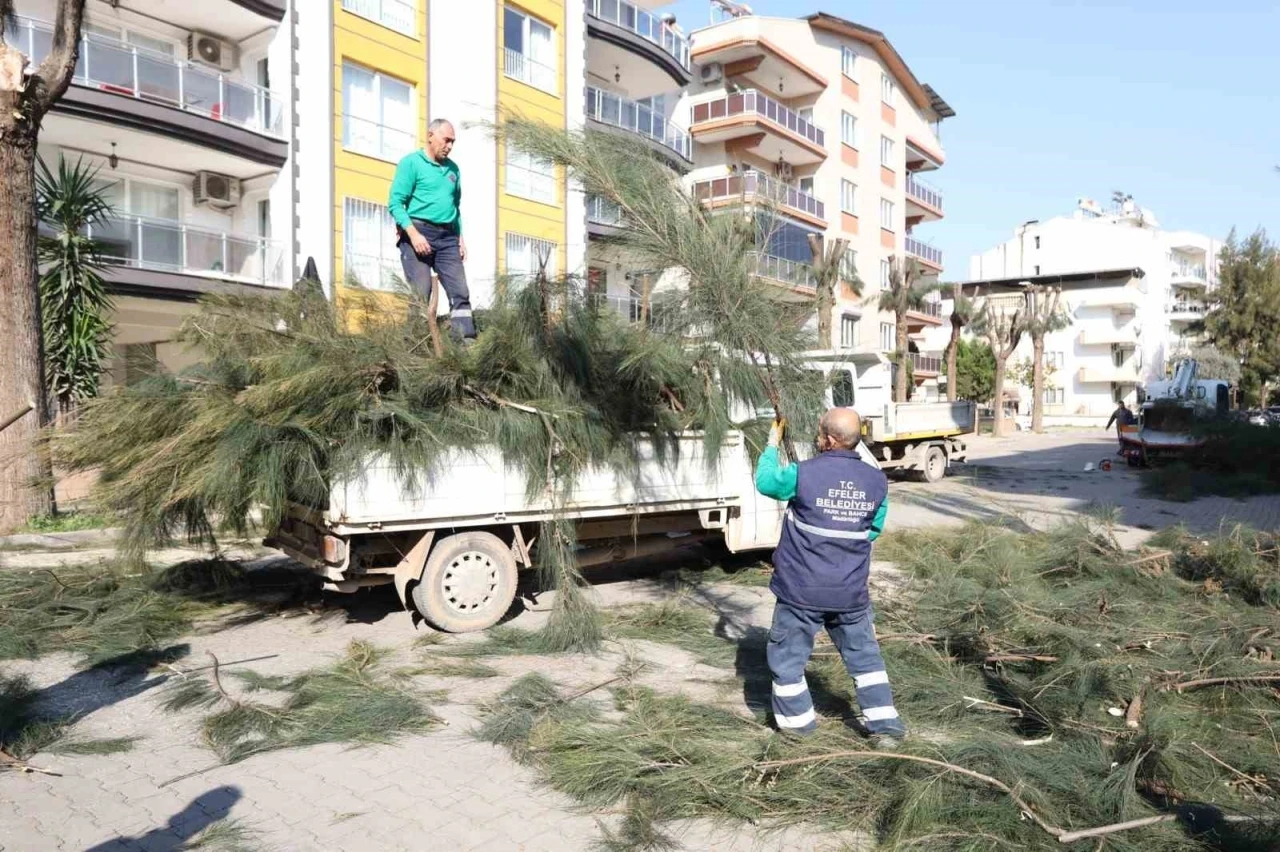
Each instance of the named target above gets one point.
<point>1061,690</point>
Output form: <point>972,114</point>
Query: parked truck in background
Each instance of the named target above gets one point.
<point>453,540</point>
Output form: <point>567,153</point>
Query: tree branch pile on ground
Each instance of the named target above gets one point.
<point>1233,459</point>
<point>1061,690</point>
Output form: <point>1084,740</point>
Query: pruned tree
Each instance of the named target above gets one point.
<point>827,273</point>
<point>1044,314</point>
<point>1002,323</point>
<point>26,94</point>
<point>961,316</point>
<point>899,297</point>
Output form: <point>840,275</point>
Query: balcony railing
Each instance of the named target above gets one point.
<point>115,66</point>
<point>517,66</point>
<point>643,24</point>
<point>751,102</point>
<point>926,363</point>
<point>376,140</point>
<point>756,184</point>
<point>393,14</point>
<point>611,109</point>
<point>783,270</point>
<point>1190,270</point>
<point>374,272</point>
<point>172,246</point>
<point>923,251</point>
<point>602,211</point>
<point>922,192</point>
<point>1186,307</point>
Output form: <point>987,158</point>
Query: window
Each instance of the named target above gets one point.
<point>1037,272</point>
<point>1055,396</point>
<point>888,91</point>
<point>886,151</point>
<point>842,394</point>
<point>526,255</point>
<point>530,50</point>
<point>369,255</point>
<point>806,185</point>
<point>1057,360</point>
<point>396,15</point>
<point>847,60</point>
<point>886,214</point>
<point>378,115</point>
<point>888,337</point>
<point>1037,241</point>
<point>885,272</point>
<point>849,266</point>
<point>848,331</point>
<point>848,197</point>
<point>848,130</point>
<point>805,113</point>
<point>264,219</point>
<point>530,177</point>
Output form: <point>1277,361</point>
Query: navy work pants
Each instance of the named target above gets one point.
<point>446,260</point>
<point>791,644</point>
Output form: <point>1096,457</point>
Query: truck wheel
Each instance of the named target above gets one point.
<point>935,465</point>
<point>468,583</point>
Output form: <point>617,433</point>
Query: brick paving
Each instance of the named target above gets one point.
<point>444,789</point>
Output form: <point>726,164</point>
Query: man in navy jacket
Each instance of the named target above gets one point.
<point>836,506</point>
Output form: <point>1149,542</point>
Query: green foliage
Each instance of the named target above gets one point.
<point>904,293</point>
<point>975,371</point>
<point>226,835</point>
<point>67,522</point>
<point>1244,311</point>
<point>1235,459</point>
<point>24,731</point>
<point>1107,625</point>
<point>1022,372</point>
<point>1211,363</point>
<point>352,701</point>
<point>74,303</point>
<point>677,623</point>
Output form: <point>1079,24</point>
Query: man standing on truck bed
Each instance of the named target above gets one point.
<point>425,200</point>
<point>836,507</point>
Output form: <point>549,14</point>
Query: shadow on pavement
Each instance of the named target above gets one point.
<point>200,813</point>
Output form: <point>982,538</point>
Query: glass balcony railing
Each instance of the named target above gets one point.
<point>785,271</point>
<point>923,251</point>
<point>644,24</point>
<point>929,309</point>
<point>123,69</point>
<point>602,211</point>
<point>922,192</point>
<point>755,184</point>
<point>1193,271</point>
<point>751,102</point>
<point>172,246</point>
<point>611,109</point>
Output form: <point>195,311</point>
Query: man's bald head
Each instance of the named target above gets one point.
<point>842,427</point>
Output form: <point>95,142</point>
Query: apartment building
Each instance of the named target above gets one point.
<point>1130,288</point>
<point>186,112</point>
<point>824,120</point>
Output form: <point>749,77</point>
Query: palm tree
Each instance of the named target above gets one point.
<point>827,273</point>
<point>902,295</point>
<point>74,304</point>
<point>961,315</point>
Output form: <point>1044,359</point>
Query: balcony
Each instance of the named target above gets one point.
<point>1186,310</point>
<point>923,157</point>
<point>397,15</point>
<point>529,71</point>
<point>170,246</point>
<point>137,88</point>
<point>755,186</point>
<point>925,366</point>
<point>923,252</point>
<point>1108,336</point>
<point>648,52</point>
<point>1108,374</point>
<point>923,200</point>
<point>1119,299</point>
<point>604,217</point>
<point>747,56</point>
<point>779,270</point>
<point>662,135</point>
<point>928,314</point>
<point>1188,275</point>
<point>760,126</point>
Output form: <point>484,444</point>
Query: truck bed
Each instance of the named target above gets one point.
<point>909,421</point>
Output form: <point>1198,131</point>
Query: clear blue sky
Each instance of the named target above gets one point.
<point>1172,101</point>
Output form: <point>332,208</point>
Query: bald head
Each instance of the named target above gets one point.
<point>839,429</point>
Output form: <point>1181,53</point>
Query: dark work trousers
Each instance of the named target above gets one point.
<point>446,260</point>
<point>791,643</point>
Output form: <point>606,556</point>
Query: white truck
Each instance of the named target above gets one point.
<point>453,542</point>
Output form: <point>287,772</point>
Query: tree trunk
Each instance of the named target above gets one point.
<point>22,374</point>
<point>952,346</point>
<point>1037,384</point>
<point>900,378</point>
<point>997,426</point>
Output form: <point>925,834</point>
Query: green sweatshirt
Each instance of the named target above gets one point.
<point>427,190</point>
<point>773,480</point>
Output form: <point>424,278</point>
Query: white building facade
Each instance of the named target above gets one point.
<point>1130,288</point>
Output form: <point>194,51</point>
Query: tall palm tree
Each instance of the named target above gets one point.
<point>903,294</point>
<point>962,309</point>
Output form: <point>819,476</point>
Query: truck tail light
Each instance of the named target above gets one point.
<point>333,549</point>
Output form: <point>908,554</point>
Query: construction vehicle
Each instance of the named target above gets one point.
<point>453,540</point>
<point>1168,414</point>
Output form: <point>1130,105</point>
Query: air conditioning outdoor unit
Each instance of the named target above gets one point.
<point>211,50</point>
<point>712,72</point>
<point>784,170</point>
<point>218,191</point>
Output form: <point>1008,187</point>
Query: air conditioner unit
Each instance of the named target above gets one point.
<point>783,170</point>
<point>211,50</point>
<point>218,191</point>
<point>712,72</point>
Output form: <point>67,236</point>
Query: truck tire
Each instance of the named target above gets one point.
<point>935,465</point>
<point>468,583</point>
